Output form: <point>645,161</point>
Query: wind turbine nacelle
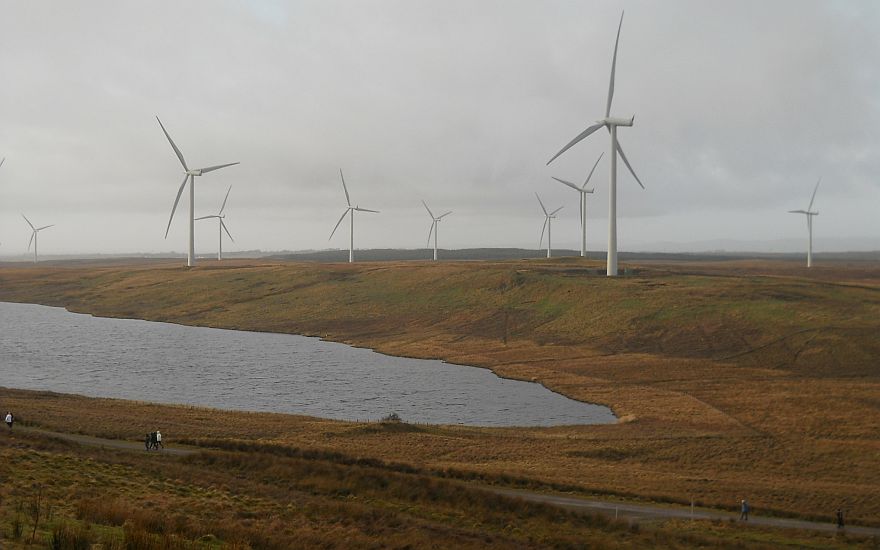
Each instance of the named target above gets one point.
<point>193,172</point>
<point>614,121</point>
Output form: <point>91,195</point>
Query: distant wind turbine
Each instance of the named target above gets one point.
<point>189,175</point>
<point>548,216</point>
<point>435,227</point>
<point>34,231</point>
<point>809,213</point>
<point>222,227</point>
<point>582,195</point>
<point>350,210</point>
<point>611,124</point>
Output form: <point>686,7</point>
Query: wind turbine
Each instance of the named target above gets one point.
<point>435,227</point>
<point>349,211</point>
<point>547,217</point>
<point>34,231</point>
<point>809,213</point>
<point>582,194</point>
<point>188,175</point>
<point>220,215</point>
<point>611,124</point>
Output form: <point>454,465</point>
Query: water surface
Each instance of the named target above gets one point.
<point>47,348</point>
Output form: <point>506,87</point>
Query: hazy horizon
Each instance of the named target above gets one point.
<point>739,109</point>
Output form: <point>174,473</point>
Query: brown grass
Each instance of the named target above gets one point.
<point>736,379</point>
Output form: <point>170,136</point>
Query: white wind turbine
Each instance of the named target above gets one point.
<point>611,123</point>
<point>582,194</point>
<point>189,175</point>
<point>435,227</point>
<point>222,227</point>
<point>34,231</point>
<point>809,213</point>
<point>548,216</point>
<point>349,211</point>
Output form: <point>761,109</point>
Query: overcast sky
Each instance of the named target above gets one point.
<point>739,106</point>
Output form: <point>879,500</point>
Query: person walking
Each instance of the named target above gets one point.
<point>159,439</point>
<point>840,518</point>
<point>147,442</point>
<point>9,419</point>
<point>744,511</point>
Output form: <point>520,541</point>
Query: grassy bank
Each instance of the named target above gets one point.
<point>59,495</point>
<point>755,380</point>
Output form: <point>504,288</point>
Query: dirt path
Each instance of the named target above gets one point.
<point>633,512</point>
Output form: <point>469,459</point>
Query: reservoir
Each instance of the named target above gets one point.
<point>48,348</point>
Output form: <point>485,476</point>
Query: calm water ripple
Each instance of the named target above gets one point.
<point>47,348</point>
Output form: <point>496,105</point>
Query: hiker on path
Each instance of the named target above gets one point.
<point>839,518</point>
<point>9,419</point>
<point>159,439</point>
<point>153,444</point>
<point>147,441</point>
<point>744,513</point>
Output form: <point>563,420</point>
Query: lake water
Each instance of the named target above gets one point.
<point>47,348</point>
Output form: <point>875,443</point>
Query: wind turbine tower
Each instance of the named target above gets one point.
<point>435,227</point>
<point>611,124</point>
<point>548,216</point>
<point>809,214</point>
<point>34,232</point>
<point>189,175</point>
<point>349,210</point>
<point>222,226</point>
<point>582,194</point>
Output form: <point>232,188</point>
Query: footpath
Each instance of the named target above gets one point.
<point>623,510</point>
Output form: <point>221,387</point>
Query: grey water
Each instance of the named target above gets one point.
<point>48,348</point>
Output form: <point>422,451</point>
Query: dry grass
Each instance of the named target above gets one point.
<point>736,379</point>
<point>272,498</point>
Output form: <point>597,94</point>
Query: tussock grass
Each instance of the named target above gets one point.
<point>736,379</point>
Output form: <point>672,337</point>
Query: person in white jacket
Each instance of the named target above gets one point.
<point>9,419</point>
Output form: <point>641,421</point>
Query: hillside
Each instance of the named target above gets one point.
<point>731,379</point>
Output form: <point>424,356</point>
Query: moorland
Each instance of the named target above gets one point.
<point>736,379</point>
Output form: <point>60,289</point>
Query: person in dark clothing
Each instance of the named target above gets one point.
<point>153,443</point>
<point>744,511</point>
<point>147,441</point>
<point>839,518</point>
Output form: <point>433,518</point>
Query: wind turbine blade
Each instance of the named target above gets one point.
<point>428,209</point>
<point>542,205</point>
<point>173,146</point>
<point>45,227</point>
<point>613,68</point>
<point>30,242</point>
<point>798,212</point>
<point>206,217</point>
<point>591,171</point>
<point>441,216</point>
<point>339,222</point>
<point>176,200</point>
<point>223,225</point>
<point>543,228</point>
<point>222,206</point>
<point>626,161</point>
<point>359,209</point>
<point>568,183</point>
<point>557,210</point>
<point>433,223</point>
<point>344,188</point>
<point>2,161</point>
<point>28,222</point>
<point>814,194</point>
<point>580,136</point>
<point>219,166</point>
